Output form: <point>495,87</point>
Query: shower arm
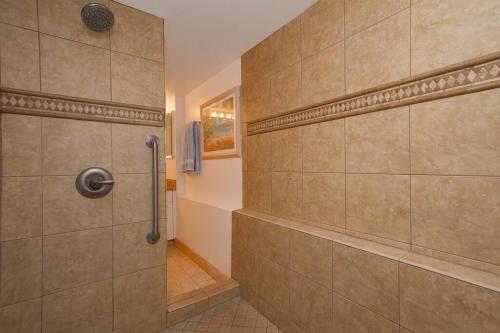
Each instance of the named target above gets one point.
<point>154,235</point>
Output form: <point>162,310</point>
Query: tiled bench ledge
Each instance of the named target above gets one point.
<point>459,272</point>
<point>309,280</point>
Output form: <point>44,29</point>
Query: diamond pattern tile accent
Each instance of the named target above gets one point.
<point>46,105</point>
<point>481,75</point>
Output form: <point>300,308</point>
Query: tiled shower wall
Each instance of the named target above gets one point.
<point>422,177</point>
<point>68,263</point>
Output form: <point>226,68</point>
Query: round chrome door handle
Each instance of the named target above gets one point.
<point>94,182</point>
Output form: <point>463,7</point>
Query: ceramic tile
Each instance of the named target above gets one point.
<point>21,317</point>
<point>19,12</point>
<point>139,301</point>
<point>324,199</point>
<point>21,145</point>
<point>286,150</point>
<point>130,152</point>
<point>273,47</point>
<point>137,81</point>
<point>351,317</point>
<point>323,75</point>
<point>286,194</point>
<point>323,147</point>
<point>259,152</point>
<point>368,62</point>
<point>132,196</point>
<point>285,89</point>
<point>244,269</point>
<point>62,18</point>
<point>274,284</point>
<point>136,32</point>
<point>322,26</point>
<point>446,32</point>
<point>273,242</point>
<point>20,67</point>
<point>311,257</point>
<point>246,232</point>
<point>66,210</point>
<point>132,252</point>
<point>379,205</point>
<point>457,135</point>
<point>459,272</point>
<point>70,146</point>
<point>257,62</point>
<point>21,270</point>
<point>62,61</point>
<point>361,14</point>
<point>234,315</point>
<point>21,207</point>
<point>367,279</point>
<point>87,258</point>
<point>310,305</point>
<point>450,305</point>
<point>79,310</point>
<point>456,259</point>
<point>378,142</point>
<point>291,43</point>
<point>455,215</point>
<point>259,191</point>
<point>256,94</point>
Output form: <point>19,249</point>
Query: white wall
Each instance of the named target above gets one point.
<point>205,201</point>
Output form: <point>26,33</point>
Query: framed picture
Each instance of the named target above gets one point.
<point>220,123</point>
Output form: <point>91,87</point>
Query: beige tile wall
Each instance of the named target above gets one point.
<point>69,263</point>
<point>337,283</point>
<point>89,246</point>
<point>102,240</point>
<point>422,177</point>
<point>347,46</point>
<point>46,47</point>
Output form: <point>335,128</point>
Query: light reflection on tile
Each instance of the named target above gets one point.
<point>183,275</point>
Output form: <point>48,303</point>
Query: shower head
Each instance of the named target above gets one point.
<point>97,17</point>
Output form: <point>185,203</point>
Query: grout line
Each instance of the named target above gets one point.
<point>345,58</point>
<point>40,60</point>
<point>345,178</point>
<point>112,229</point>
<point>365,307</point>
<point>77,286</point>
<point>409,142</point>
<point>301,134</point>
<point>311,172</point>
<point>374,24</point>
<point>110,69</point>
<point>409,39</point>
<point>41,162</point>
<point>399,295</point>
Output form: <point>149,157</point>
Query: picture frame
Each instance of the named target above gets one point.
<point>220,126</point>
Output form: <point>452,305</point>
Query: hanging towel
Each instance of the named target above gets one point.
<point>191,161</point>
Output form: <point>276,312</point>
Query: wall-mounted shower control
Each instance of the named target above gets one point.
<point>94,182</point>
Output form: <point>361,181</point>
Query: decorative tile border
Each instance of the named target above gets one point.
<point>39,104</point>
<point>471,76</point>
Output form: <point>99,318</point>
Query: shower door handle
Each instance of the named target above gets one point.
<point>154,235</point>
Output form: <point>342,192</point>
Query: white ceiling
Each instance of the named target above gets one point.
<point>204,36</point>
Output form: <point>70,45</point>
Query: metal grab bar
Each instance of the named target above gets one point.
<point>154,235</point>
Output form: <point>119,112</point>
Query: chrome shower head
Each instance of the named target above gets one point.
<point>97,17</point>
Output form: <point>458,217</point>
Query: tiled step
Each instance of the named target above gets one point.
<point>189,305</point>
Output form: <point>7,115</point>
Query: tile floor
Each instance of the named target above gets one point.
<point>234,316</point>
<point>183,275</point>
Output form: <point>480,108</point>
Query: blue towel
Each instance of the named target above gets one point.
<point>191,159</point>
